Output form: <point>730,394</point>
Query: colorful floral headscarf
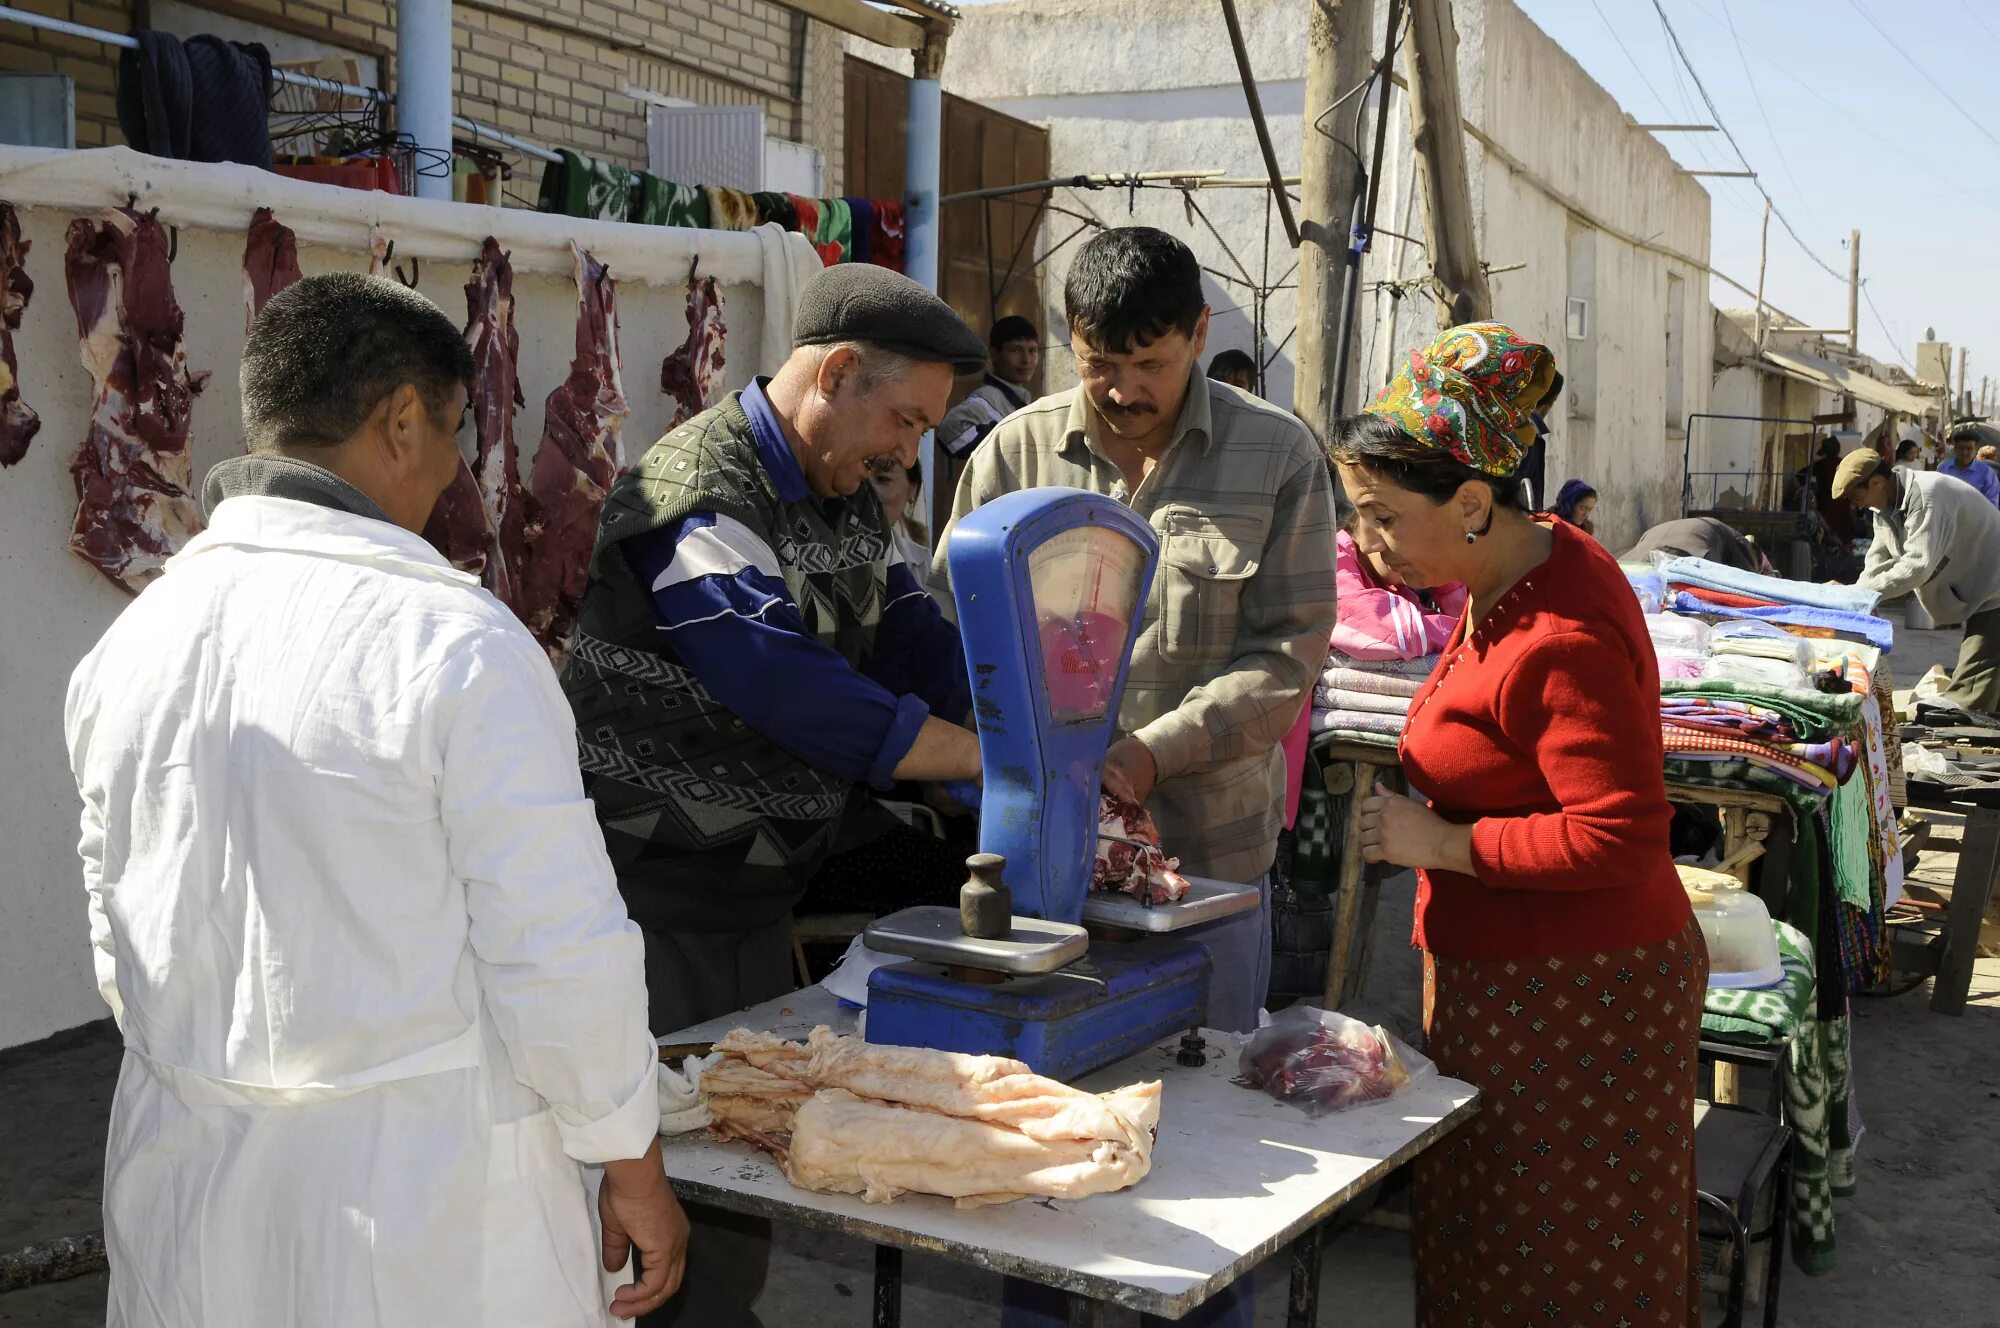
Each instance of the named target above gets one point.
<point>1474,392</point>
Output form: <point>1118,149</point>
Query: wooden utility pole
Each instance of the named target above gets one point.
<point>1436,127</point>
<point>1337,56</point>
<point>1964,392</point>
<point>1763,256</point>
<point>1853,290</point>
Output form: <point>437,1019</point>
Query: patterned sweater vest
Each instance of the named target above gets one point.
<point>712,828</point>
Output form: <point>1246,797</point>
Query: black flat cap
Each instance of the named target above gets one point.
<point>863,302</point>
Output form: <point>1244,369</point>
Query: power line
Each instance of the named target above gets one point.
<point>1973,14</point>
<point>1883,323</point>
<point>1880,31</point>
<point>1716,113</point>
<point>1770,131</point>
<point>1630,58</point>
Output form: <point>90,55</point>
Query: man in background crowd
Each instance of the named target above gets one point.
<point>1964,465</point>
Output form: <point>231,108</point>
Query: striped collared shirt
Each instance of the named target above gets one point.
<point>1240,612</point>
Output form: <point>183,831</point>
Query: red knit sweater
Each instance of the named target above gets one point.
<point>1542,730</point>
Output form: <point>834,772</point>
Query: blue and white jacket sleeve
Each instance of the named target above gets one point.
<point>917,652</point>
<point>720,601</point>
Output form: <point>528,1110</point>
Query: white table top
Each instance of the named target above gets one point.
<point>1236,1177</point>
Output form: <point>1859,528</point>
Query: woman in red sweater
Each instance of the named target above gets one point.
<point>1569,971</point>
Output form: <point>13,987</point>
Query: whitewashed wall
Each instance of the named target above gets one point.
<point>56,606</point>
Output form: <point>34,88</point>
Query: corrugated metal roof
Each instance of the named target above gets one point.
<point>1827,373</point>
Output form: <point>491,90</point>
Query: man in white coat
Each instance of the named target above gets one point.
<point>380,1000</point>
<point>1940,538</point>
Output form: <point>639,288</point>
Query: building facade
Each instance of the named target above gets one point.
<point>1598,241</point>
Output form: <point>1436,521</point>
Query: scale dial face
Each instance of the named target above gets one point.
<point>1085,582</point>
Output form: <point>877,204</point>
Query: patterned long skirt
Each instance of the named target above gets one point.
<point>1569,1198</point>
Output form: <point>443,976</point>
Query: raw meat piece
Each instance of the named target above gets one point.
<point>689,374</point>
<point>852,1117</point>
<point>378,252</point>
<point>496,355</point>
<point>575,464</point>
<point>1129,857</point>
<point>270,262</point>
<point>1322,1062</point>
<point>18,421</point>
<point>848,1145</point>
<point>133,473</point>
<point>457,525</point>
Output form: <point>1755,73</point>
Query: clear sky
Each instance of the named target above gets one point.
<point>1844,131</point>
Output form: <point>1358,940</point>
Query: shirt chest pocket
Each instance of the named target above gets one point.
<point>1202,575</point>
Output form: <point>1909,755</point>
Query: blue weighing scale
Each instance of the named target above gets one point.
<point>1051,590</point>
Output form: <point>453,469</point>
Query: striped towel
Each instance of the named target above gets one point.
<point>1878,632</point>
<point>1720,576</point>
<point>1339,698</point>
<point>1376,684</point>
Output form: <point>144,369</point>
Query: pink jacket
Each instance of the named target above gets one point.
<point>1373,622</point>
<point>1387,622</point>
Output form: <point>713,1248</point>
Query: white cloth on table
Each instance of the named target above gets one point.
<point>352,911</point>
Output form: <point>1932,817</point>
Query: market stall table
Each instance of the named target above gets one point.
<point>1236,1177</point>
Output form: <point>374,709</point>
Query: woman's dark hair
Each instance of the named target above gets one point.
<point>1229,364</point>
<point>1569,496</point>
<point>1381,445</point>
<point>1906,447</point>
<point>1132,285</point>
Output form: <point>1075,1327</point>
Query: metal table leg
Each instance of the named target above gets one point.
<point>888,1287</point>
<point>1302,1307</point>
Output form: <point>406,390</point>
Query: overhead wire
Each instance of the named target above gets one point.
<point>1674,39</point>
<point>1770,131</point>
<point>1932,83</point>
<point>1883,323</point>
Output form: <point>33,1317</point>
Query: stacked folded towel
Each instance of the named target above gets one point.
<point>1787,742</point>
<point>1367,697</point>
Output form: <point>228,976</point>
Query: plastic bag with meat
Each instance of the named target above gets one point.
<point>1129,857</point>
<point>1322,1061</point>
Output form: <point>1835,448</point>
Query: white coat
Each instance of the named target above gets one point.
<point>350,906</point>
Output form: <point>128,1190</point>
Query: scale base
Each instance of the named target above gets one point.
<point>1118,999</point>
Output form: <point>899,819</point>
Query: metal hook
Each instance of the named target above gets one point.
<point>416,274</point>
<point>694,266</point>
<point>132,200</point>
<point>388,252</point>
<point>173,243</point>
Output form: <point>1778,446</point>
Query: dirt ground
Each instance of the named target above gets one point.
<point>1919,1240</point>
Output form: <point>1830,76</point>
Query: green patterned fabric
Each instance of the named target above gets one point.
<point>1473,393</point>
<point>658,202</point>
<point>1817,714</point>
<point>579,186</point>
<point>1815,1087</point>
<point>711,826</point>
<point>1764,1015</point>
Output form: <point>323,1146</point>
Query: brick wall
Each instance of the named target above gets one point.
<point>93,65</point>
<point>556,72</point>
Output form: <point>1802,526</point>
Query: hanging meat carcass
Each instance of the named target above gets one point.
<point>690,373</point>
<point>457,525</point>
<point>270,262</point>
<point>496,395</point>
<point>575,463</point>
<point>133,473</point>
<point>18,421</point>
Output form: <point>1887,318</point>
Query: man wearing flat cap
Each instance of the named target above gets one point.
<point>750,651</point>
<point>1940,538</point>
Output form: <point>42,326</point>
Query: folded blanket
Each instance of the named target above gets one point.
<point>1765,1015</point>
<point>1373,684</point>
<point>1723,597</point>
<point>1414,669</point>
<point>1358,721</point>
<point>1878,632</point>
<point>1339,698</point>
<point>1689,745</point>
<point>1816,715</point>
<point>1719,576</point>
<point>1386,741</point>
